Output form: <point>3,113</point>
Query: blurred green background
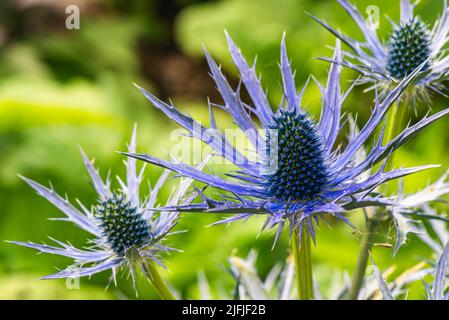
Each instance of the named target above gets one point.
<point>61,89</point>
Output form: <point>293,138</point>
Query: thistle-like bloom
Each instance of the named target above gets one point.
<point>411,44</point>
<point>301,171</point>
<point>126,233</point>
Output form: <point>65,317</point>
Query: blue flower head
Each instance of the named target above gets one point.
<point>126,232</point>
<point>301,171</point>
<point>411,45</point>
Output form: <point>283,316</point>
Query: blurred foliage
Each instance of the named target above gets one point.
<point>61,89</point>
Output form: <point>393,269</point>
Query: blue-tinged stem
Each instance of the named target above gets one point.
<point>155,279</point>
<point>303,265</point>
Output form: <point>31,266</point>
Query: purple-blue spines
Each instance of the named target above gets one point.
<point>409,46</point>
<point>122,224</point>
<point>301,172</point>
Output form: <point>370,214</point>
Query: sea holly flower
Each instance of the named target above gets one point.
<point>411,44</point>
<point>126,232</point>
<point>313,175</point>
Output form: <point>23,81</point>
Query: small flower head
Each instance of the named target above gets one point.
<point>408,48</point>
<point>123,225</point>
<point>411,45</point>
<point>126,232</point>
<point>300,171</point>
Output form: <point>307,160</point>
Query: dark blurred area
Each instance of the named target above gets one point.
<point>160,59</point>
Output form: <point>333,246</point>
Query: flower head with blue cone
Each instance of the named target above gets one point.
<point>126,231</point>
<point>312,174</point>
<point>410,44</point>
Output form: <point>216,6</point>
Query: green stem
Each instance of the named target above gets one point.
<point>155,279</point>
<point>390,123</point>
<point>303,265</point>
<point>394,126</point>
<point>362,261</point>
<point>396,118</point>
